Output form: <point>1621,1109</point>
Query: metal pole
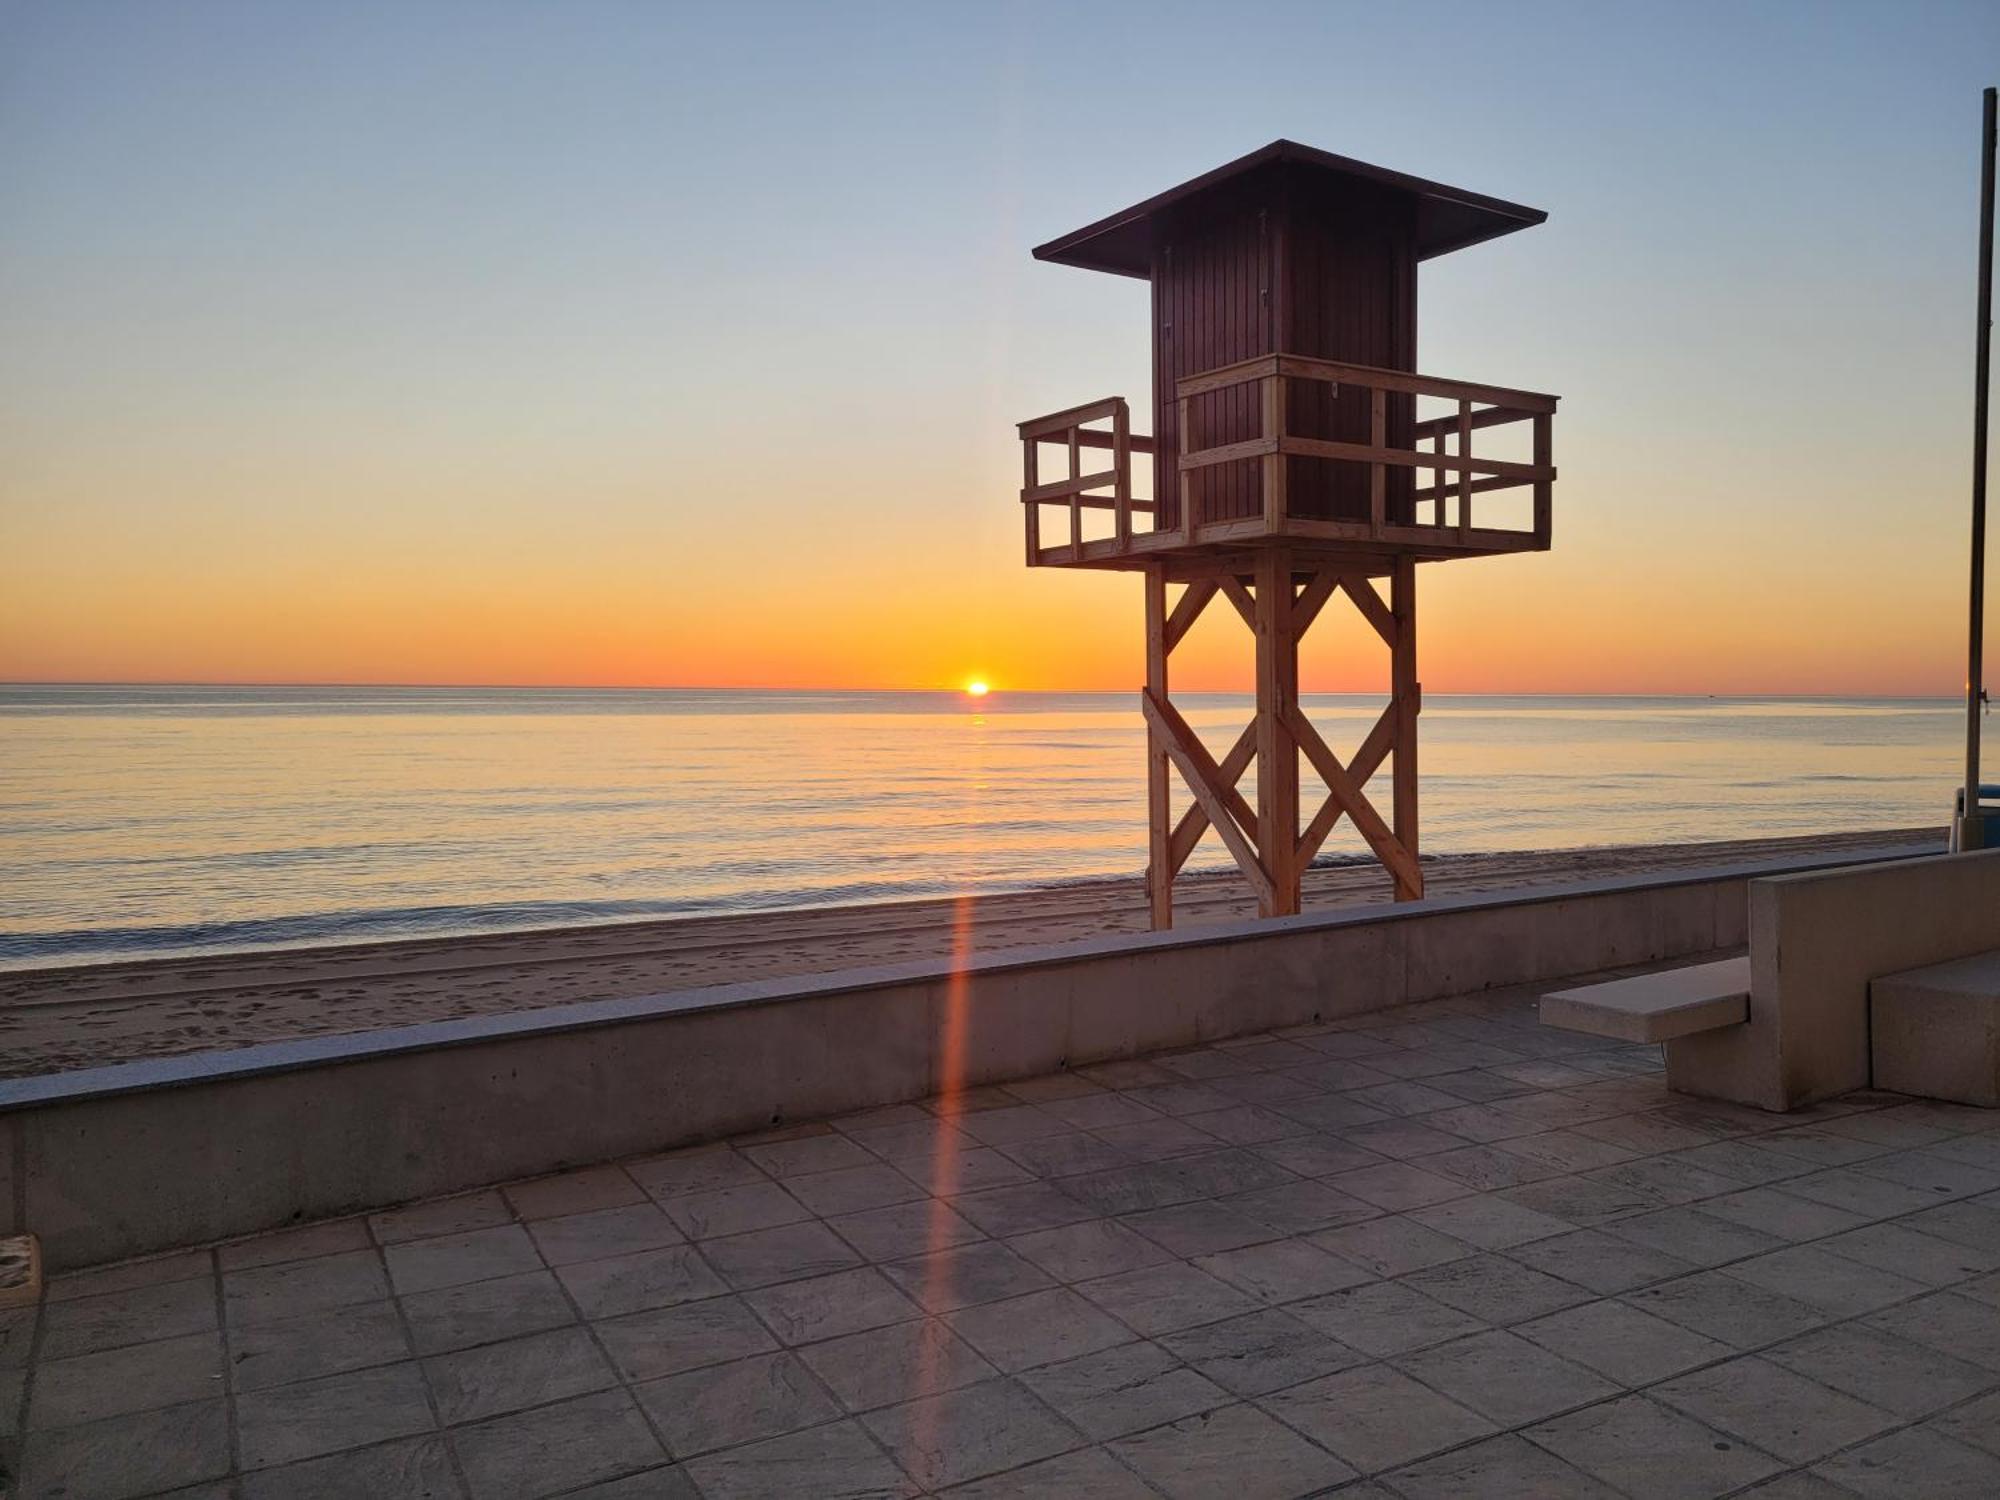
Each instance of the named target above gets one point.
<point>1970,828</point>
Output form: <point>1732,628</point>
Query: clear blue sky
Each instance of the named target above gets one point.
<point>324,327</point>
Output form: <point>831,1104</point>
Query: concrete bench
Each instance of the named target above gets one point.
<point>1656,1007</point>
<point>1936,1030</point>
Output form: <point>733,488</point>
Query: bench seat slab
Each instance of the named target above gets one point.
<point>1656,1007</point>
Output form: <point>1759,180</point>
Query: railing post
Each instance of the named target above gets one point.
<point>1544,460</point>
<point>1075,496</point>
<point>1378,437</point>
<point>1030,478</point>
<point>1274,463</point>
<point>1121,465</point>
<point>1185,478</point>
<point>1465,470</point>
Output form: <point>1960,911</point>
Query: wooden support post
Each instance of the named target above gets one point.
<point>1407,700</point>
<point>1159,859</point>
<point>1277,750</point>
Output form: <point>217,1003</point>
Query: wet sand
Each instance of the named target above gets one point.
<point>56,1019</point>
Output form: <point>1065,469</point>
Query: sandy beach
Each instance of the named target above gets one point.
<point>57,1019</point>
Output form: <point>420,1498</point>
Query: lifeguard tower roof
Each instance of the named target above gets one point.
<point>1448,218</point>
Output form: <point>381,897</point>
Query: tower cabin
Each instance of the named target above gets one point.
<point>1296,453</point>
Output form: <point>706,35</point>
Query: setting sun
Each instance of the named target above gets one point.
<point>977,689</point>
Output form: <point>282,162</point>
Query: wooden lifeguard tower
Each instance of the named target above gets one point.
<point>1286,453</point>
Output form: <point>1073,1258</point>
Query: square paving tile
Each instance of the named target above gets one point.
<point>966,1276</point>
<point>1505,1378</point>
<point>852,1189</point>
<point>1237,1451</point>
<point>1397,1186</point>
<point>824,1307</point>
<point>1081,1252</point>
<point>472,1384</point>
<point>1501,1468</point>
<point>601,1232</point>
<point>1779,1411</point>
<point>1160,1299</point>
<point>1021,1209</point>
<point>788,1253</point>
<point>630,1283</point>
<point>454,1259</point>
<point>304,1243</point>
<point>1783,1215</point>
<point>1391,1246</point>
<point>1916,1461</point>
<point>667,1340</point>
<point>312,1417</point>
<point>696,1170</point>
<point>551,1449</point>
<point>970,1432</point>
<point>1496,1289</point>
<point>1384,1318</point>
<point>1600,1261</point>
<point>1961,1327</point>
<point>416,1467</point>
<point>1823,1280</point>
<point>837,1459</point>
<point>467,1211</point>
<point>735,1209</point>
<point>1726,1308</point>
<point>1283,1270</point>
<point>323,1343</point>
<point>119,1382</point>
<point>1086,1474</point>
<point>888,1366</point>
<point>1648,1450</point>
<point>812,1153</point>
<point>573,1193</point>
<point>1376,1418</point>
<point>485,1312</point>
<point>119,1457</point>
<point>1908,1252</point>
<point>1883,1370</point>
<point>1201,1228</point>
<point>722,1406</point>
<point>1489,1221</point>
<point>290,1288</point>
<point>904,1229</point>
<point>1037,1329</point>
<point>1125,1389</point>
<point>1617,1340</point>
<point>1260,1352</point>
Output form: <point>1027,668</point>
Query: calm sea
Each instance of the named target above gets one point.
<point>141,821</point>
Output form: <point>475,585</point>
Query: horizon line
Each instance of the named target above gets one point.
<point>957,690</point>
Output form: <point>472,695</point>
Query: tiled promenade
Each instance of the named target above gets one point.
<point>1432,1253</point>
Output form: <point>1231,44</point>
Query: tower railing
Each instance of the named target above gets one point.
<point>1480,408</point>
<point>1071,431</point>
<point>1442,445</point>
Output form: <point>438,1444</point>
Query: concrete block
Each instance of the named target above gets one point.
<point>1935,1031</point>
<point>1816,940</point>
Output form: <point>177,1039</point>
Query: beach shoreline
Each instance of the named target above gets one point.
<point>59,1018</point>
